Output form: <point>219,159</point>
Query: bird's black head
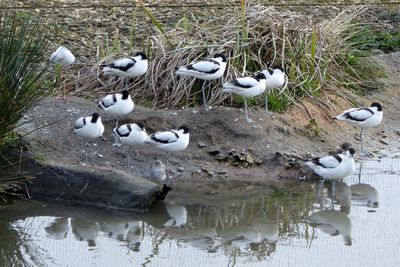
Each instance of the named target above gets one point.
<point>377,105</point>
<point>184,128</point>
<point>140,124</point>
<point>95,117</point>
<point>219,55</point>
<point>352,151</point>
<point>261,76</point>
<point>279,68</point>
<point>346,146</point>
<point>141,54</point>
<point>125,94</point>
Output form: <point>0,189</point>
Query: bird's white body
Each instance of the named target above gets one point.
<point>274,80</point>
<point>209,69</point>
<point>365,193</point>
<point>62,56</point>
<point>128,67</point>
<point>169,141</point>
<point>366,117</point>
<point>117,104</point>
<point>333,167</point>
<point>245,86</point>
<point>89,128</point>
<point>333,223</point>
<point>131,134</point>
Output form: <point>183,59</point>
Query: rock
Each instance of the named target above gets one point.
<point>92,186</point>
<point>201,144</point>
<point>181,169</point>
<point>214,151</point>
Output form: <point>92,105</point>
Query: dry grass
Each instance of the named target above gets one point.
<point>254,38</point>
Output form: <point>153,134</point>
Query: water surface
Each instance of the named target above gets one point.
<point>255,225</point>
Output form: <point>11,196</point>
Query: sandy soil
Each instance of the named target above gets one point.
<point>222,147</point>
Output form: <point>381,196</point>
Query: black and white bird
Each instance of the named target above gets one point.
<point>275,79</point>
<point>128,67</point>
<point>62,57</point>
<point>131,134</point>
<point>118,105</point>
<point>89,127</point>
<point>246,87</point>
<point>206,70</point>
<point>170,141</point>
<point>333,167</point>
<point>366,117</point>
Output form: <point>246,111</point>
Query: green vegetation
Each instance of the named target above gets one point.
<point>313,127</point>
<point>365,38</point>
<point>362,73</point>
<point>24,80</point>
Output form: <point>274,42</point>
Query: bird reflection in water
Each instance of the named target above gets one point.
<point>333,223</point>
<point>58,228</point>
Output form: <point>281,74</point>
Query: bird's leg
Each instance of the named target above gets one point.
<point>116,141</point>
<point>266,105</point>
<point>128,159</point>
<point>333,194</point>
<point>85,147</point>
<point>359,173</point>
<point>203,87</point>
<point>61,84</point>
<point>166,166</point>
<point>362,147</point>
<point>64,86</point>
<point>321,184</point>
<point>248,120</point>
<point>126,83</point>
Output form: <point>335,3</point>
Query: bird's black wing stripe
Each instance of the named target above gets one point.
<point>84,123</point>
<point>190,67</point>
<point>316,162</point>
<point>165,141</point>
<point>337,157</point>
<point>124,68</point>
<point>114,98</point>
<point>213,61</point>
<point>127,134</point>
<point>238,84</point>
<point>348,115</point>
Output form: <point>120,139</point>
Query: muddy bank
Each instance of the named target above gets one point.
<point>222,147</point>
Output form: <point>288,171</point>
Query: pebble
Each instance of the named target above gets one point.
<point>181,169</point>
<point>201,144</point>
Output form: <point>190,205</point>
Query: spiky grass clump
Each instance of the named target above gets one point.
<point>24,80</point>
<point>254,38</point>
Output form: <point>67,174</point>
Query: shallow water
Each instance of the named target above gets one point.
<point>256,228</point>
